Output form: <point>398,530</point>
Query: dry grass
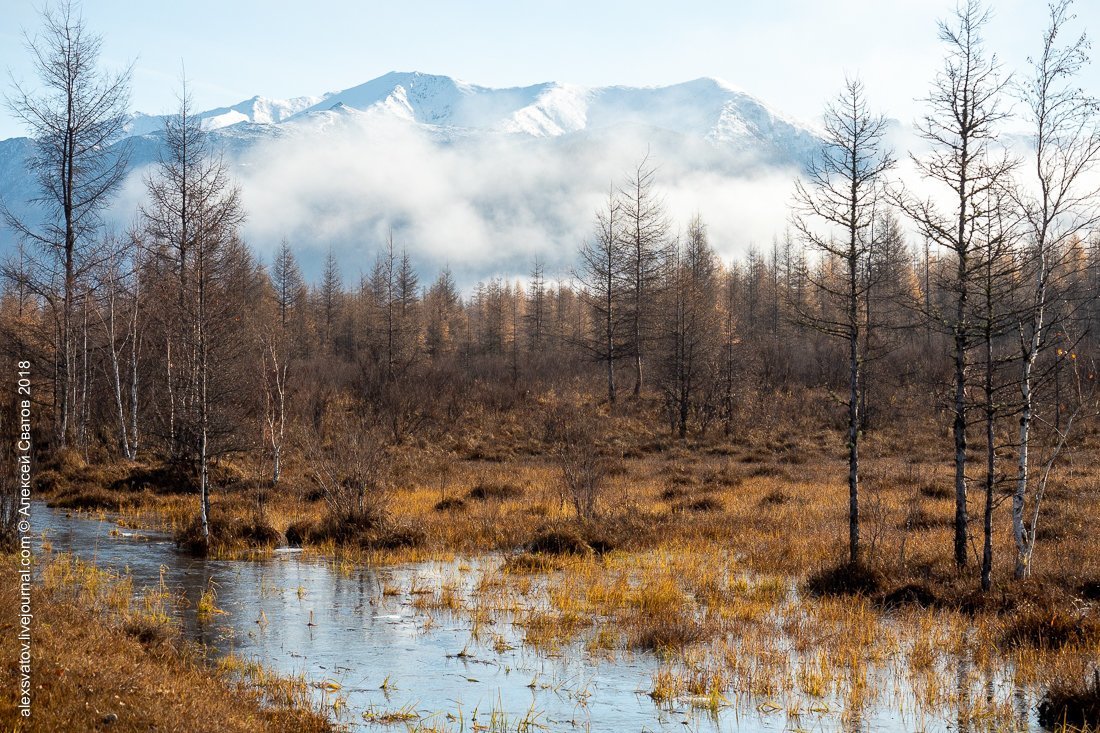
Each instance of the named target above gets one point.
<point>704,552</point>
<point>105,662</point>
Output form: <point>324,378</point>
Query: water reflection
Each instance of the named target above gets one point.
<point>363,630</point>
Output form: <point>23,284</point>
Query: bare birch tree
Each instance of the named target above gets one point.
<point>1058,203</point>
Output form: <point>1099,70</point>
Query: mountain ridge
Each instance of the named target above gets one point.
<point>504,164</point>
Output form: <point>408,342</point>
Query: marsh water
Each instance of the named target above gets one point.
<point>362,629</point>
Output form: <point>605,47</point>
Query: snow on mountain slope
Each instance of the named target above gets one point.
<point>707,108</point>
<point>471,172</point>
<point>258,110</point>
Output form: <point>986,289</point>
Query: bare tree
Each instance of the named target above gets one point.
<point>286,276</point>
<point>996,284</point>
<point>841,191</point>
<point>192,217</point>
<point>117,284</point>
<point>961,124</point>
<point>534,317</point>
<point>690,353</point>
<point>1058,203</point>
<point>601,276</point>
<point>276,364</point>
<point>645,240</point>
<point>74,118</point>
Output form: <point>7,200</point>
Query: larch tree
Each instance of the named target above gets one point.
<point>535,317</point>
<point>644,235</point>
<point>691,346</point>
<point>192,217</point>
<point>960,126</point>
<point>834,214</point>
<point>74,116</point>
<point>330,296</point>
<point>286,277</point>
<point>601,274</point>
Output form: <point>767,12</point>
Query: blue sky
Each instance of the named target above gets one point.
<point>792,53</point>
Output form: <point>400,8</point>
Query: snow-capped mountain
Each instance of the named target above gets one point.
<point>555,138</point>
<point>706,108</point>
<point>258,110</point>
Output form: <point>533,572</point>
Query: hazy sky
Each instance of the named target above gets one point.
<point>791,53</point>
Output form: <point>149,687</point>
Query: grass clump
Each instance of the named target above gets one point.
<point>1072,705</point>
<point>1049,627</point>
<point>494,491</point>
<point>229,535</point>
<point>846,579</point>
<point>450,504</point>
<point>910,594</point>
<point>775,497</point>
<point>558,542</point>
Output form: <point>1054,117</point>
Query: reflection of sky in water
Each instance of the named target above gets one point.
<point>432,662</point>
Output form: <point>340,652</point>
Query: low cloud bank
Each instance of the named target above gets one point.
<point>489,204</point>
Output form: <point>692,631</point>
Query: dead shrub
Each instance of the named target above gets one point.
<point>581,459</point>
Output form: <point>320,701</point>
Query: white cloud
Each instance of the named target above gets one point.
<point>485,205</point>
